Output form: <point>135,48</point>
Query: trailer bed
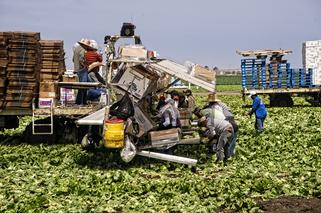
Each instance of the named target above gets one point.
<point>283,90</point>
<point>71,111</point>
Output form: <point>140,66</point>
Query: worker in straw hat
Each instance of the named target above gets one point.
<point>258,108</point>
<point>80,68</point>
<point>214,102</point>
<point>220,122</point>
<point>79,53</point>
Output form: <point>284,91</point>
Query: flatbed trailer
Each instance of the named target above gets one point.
<point>55,122</point>
<point>276,78</point>
<point>283,96</point>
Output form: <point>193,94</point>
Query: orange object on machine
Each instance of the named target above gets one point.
<point>114,133</point>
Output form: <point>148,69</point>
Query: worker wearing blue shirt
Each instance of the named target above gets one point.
<point>259,109</point>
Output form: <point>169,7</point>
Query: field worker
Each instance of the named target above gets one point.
<point>92,56</point>
<point>161,102</point>
<point>169,115</point>
<point>176,101</point>
<point>221,129</point>
<point>259,109</point>
<point>81,68</point>
<point>93,61</point>
<point>211,110</point>
<point>190,100</point>
<point>79,54</point>
<point>179,99</point>
<point>214,102</point>
<point>94,94</point>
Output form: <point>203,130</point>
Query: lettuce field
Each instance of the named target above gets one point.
<point>283,161</point>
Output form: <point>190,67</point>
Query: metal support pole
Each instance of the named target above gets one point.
<point>171,158</point>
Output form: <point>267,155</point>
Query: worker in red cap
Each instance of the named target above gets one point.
<point>161,102</point>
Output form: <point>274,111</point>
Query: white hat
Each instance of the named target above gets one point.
<point>94,44</point>
<point>86,44</point>
<point>252,93</point>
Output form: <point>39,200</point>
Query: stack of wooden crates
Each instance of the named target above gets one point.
<point>23,69</point>
<point>3,66</point>
<point>25,60</point>
<point>52,68</point>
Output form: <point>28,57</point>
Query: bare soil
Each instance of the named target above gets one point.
<point>291,205</point>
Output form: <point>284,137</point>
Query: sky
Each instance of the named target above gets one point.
<point>206,32</point>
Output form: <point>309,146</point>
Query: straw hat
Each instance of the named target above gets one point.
<point>94,65</point>
<point>213,98</point>
<point>86,44</point>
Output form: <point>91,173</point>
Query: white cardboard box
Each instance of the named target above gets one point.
<point>67,95</point>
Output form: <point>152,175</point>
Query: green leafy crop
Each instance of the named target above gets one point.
<point>283,160</point>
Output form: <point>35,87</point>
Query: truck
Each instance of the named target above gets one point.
<point>130,71</point>
<point>276,78</point>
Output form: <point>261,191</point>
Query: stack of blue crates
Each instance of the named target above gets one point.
<point>256,75</point>
<point>253,73</point>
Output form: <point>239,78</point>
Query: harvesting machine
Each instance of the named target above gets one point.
<point>133,72</point>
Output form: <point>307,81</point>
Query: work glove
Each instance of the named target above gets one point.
<point>250,113</point>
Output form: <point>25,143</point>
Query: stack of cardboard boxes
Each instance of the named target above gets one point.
<point>311,58</point>
<point>67,95</point>
<point>3,65</point>
<point>22,70</point>
<point>52,68</point>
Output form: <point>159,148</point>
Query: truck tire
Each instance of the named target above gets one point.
<point>30,138</point>
<point>281,100</point>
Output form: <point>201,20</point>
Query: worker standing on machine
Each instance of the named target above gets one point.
<point>80,68</point>
<point>93,62</point>
<point>78,57</point>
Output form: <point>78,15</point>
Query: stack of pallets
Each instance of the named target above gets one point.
<point>23,69</point>
<point>52,68</point>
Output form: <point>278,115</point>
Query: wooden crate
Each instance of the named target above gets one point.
<point>164,135</point>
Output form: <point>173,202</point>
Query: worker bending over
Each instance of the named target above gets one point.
<point>219,130</point>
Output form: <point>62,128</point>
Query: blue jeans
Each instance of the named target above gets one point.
<point>93,94</point>
<point>259,124</point>
<point>82,93</point>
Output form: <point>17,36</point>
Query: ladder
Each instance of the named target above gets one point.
<point>40,114</point>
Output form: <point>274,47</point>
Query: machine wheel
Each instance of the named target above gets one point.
<point>36,139</point>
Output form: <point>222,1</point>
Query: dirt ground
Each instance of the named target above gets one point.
<point>291,205</point>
